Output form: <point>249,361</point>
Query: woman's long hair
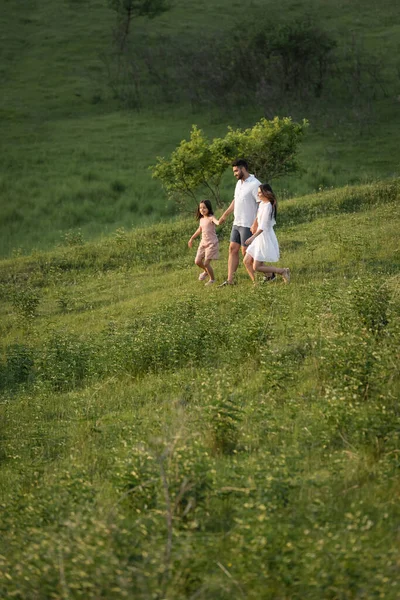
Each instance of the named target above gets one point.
<point>208,205</point>
<point>267,192</point>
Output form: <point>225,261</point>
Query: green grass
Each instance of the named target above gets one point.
<point>72,160</point>
<point>162,439</point>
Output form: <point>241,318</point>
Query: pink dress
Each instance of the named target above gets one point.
<point>209,246</point>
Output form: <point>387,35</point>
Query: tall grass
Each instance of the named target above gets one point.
<point>72,159</point>
<point>162,439</point>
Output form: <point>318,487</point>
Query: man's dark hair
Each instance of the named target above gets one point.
<point>240,162</point>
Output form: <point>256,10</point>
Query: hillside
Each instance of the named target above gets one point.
<point>75,154</point>
<point>161,439</point>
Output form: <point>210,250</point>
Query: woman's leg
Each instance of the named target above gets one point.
<point>248,263</point>
<point>259,266</point>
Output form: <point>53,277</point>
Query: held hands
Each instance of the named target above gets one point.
<point>190,243</point>
<point>248,242</point>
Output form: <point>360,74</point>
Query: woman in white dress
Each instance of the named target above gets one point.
<point>263,245</point>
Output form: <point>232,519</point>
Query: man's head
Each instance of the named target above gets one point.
<point>240,169</point>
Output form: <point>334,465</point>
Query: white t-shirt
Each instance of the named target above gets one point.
<point>246,201</point>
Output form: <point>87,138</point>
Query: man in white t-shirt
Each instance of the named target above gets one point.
<point>244,207</point>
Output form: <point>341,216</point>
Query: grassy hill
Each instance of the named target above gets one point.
<point>74,158</point>
<point>161,439</point>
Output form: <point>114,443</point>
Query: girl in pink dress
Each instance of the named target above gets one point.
<point>208,249</point>
<point>263,245</point>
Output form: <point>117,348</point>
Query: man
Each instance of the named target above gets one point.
<point>244,207</point>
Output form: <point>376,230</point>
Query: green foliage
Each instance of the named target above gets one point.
<point>304,52</point>
<point>190,167</point>
<point>224,421</point>
<point>18,366</point>
<point>73,238</point>
<point>371,300</point>
<point>166,440</point>
<point>271,147</point>
<point>197,165</point>
<point>139,8</point>
<point>305,504</point>
<point>25,300</point>
<point>64,362</point>
<point>128,9</point>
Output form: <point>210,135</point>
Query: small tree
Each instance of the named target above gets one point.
<point>128,9</point>
<point>196,165</point>
<point>193,165</point>
<point>270,147</point>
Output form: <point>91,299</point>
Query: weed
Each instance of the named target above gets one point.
<point>73,238</point>
<point>25,300</point>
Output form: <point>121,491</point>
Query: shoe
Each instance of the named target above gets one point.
<point>286,275</point>
<point>210,282</point>
<point>202,276</point>
<point>225,283</point>
<point>269,278</point>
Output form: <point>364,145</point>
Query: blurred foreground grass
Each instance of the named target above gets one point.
<point>161,439</point>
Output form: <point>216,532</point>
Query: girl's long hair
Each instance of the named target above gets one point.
<point>208,205</point>
<point>267,192</point>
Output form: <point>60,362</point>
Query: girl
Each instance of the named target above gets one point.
<point>263,245</point>
<point>208,249</point>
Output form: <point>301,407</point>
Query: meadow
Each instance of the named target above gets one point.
<point>75,155</point>
<point>160,439</point>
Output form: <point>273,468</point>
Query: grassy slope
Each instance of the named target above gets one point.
<point>70,163</point>
<point>277,455</point>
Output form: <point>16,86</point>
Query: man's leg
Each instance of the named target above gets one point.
<point>233,260</point>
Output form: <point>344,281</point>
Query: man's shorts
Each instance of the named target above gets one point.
<point>239,234</point>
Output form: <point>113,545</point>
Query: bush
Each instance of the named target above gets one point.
<point>18,367</point>
<point>65,361</point>
<point>25,300</point>
<point>197,166</point>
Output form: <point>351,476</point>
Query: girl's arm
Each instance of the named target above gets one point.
<point>214,220</point>
<point>194,236</point>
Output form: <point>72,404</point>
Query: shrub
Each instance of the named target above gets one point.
<point>25,300</point>
<point>198,166</point>
<point>18,367</point>
<point>65,361</point>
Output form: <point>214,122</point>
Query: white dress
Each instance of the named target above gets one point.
<point>265,247</point>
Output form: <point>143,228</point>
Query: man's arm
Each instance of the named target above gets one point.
<point>228,211</point>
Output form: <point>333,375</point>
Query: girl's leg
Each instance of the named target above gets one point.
<point>209,269</point>
<point>248,263</point>
<point>259,266</point>
<point>199,262</point>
